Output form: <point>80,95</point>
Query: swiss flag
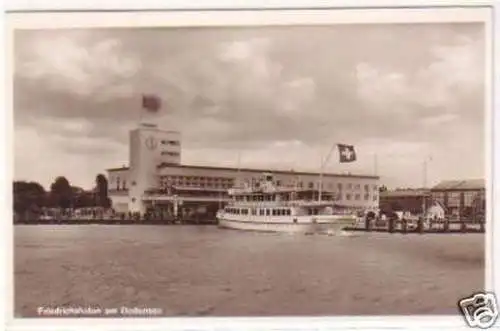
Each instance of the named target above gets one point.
<point>346,153</point>
<point>151,102</point>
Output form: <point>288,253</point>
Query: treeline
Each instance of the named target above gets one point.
<point>32,198</point>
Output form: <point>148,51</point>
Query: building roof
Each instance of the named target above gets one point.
<point>459,185</point>
<point>274,171</point>
<point>405,193</point>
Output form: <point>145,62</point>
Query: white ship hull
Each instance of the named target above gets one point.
<point>330,226</point>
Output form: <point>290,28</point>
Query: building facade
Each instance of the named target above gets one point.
<point>411,200</point>
<point>461,198</point>
<point>156,178</point>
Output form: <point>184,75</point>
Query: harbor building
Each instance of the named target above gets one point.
<point>464,198</point>
<point>411,200</point>
<point>156,179</point>
<point>461,198</point>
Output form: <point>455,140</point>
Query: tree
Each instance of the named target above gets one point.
<point>382,188</point>
<point>61,193</point>
<point>82,198</point>
<point>101,190</point>
<point>28,196</point>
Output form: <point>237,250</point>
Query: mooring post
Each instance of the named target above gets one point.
<point>367,223</point>
<point>446,225</point>
<point>420,225</point>
<point>391,225</point>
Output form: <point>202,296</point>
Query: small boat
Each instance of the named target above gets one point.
<point>267,207</point>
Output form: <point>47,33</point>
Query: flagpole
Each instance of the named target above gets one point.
<point>323,163</point>
<point>320,180</point>
<point>139,124</point>
<point>424,204</point>
<point>238,166</point>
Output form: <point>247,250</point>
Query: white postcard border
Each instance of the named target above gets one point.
<point>248,17</point>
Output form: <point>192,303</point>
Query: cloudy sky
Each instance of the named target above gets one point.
<point>279,96</point>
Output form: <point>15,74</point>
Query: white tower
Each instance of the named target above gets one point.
<point>149,147</point>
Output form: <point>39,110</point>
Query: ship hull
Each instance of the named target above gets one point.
<point>289,227</point>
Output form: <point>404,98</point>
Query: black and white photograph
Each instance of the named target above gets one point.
<point>306,169</point>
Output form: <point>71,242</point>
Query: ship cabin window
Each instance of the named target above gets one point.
<point>268,212</point>
<point>312,211</point>
<point>281,212</point>
<point>254,211</point>
<point>261,212</point>
<point>244,211</point>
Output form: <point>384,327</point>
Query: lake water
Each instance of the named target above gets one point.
<point>206,271</point>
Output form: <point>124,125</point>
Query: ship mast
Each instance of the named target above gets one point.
<point>323,164</point>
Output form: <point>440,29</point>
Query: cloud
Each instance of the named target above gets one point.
<point>78,63</point>
<point>276,93</point>
<point>439,119</point>
<point>453,74</point>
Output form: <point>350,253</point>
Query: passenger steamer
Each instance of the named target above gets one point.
<point>267,207</point>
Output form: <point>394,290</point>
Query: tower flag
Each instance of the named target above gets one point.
<point>151,102</point>
<point>346,153</point>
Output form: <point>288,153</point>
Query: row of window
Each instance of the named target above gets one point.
<point>170,142</point>
<point>340,186</point>
<point>357,197</point>
<point>170,153</point>
<point>122,185</point>
<point>200,185</point>
<point>260,211</point>
<point>338,196</point>
<point>198,181</point>
<point>197,178</point>
<point>454,198</point>
<point>226,183</point>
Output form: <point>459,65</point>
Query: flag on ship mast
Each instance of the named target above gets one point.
<point>346,153</point>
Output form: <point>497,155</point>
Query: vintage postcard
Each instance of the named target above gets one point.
<point>330,165</point>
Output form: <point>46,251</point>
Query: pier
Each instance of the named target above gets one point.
<point>421,226</point>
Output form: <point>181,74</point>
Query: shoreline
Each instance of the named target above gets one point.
<point>454,228</point>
